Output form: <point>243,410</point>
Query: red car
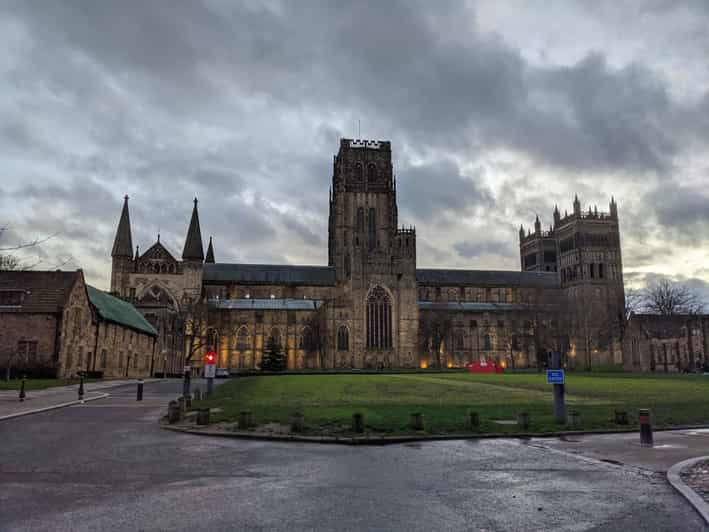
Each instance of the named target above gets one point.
<point>484,366</point>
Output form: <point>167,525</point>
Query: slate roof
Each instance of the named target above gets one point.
<point>265,304</point>
<point>44,292</point>
<point>118,311</point>
<point>470,306</point>
<point>269,274</point>
<point>488,278</point>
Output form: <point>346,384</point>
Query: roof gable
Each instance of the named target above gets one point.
<point>44,292</point>
<point>157,252</point>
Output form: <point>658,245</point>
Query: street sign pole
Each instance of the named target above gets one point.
<point>559,406</point>
<point>210,368</point>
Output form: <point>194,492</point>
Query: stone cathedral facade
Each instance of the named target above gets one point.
<point>371,307</point>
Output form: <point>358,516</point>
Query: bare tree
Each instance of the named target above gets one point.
<point>633,301</point>
<point>9,259</point>
<point>435,327</point>
<point>669,298</point>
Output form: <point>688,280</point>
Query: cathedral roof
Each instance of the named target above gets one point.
<point>470,306</point>
<point>193,243</point>
<point>269,274</point>
<point>123,244</point>
<point>265,304</point>
<point>488,278</point>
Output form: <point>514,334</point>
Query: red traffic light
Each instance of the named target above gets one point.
<point>210,358</point>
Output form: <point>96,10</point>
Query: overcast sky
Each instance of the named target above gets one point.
<point>495,110</point>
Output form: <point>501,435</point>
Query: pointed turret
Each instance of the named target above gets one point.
<point>557,215</point>
<point>137,252</point>
<point>613,208</point>
<point>123,244</point>
<point>521,232</point>
<point>537,225</point>
<point>210,252</point>
<point>193,243</point>
<point>577,205</point>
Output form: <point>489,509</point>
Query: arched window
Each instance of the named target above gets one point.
<point>307,340</point>
<point>371,172</point>
<point>343,339</point>
<point>372,232</point>
<point>276,336</point>
<point>488,345</point>
<point>242,339</point>
<point>358,174</point>
<point>378,319</point>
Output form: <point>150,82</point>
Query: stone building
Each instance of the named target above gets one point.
<point>665,343</point>
<point>371,306</point>
<point>53,324</point>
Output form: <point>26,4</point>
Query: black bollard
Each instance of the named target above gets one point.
<point>22,390</point>
<point>474,420</point>
<point>297,422</point>
<point>203,416</point>
<point>81,388</point>
<point>416,421</point>
<point>645,428</point>
<point>357,422</point>
<point>245,420</point>
<point>139,394</point>
<point>173,412</point>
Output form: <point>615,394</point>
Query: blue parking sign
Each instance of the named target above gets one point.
<point>555,376</point>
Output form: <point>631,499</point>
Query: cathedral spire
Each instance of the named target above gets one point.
<point>123,243</point>
<point>210,252</point>
<point>577,205</point>
<point>537,225</point>
<point>193,249</point>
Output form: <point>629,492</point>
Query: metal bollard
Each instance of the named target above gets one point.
<point>203,416</point>
<point>621,417</point>
<point>244,419</point>
<point>357,423</point>
<point>474,420</point>
<point>139,393</point>
<point>181,405</point>
<point>416,421</point>
<point>22,390</point>
<point>173,412</point>
<point>81,388</point>
<point>297,422</point>
<point>645,428</point>
<point>523,420</point>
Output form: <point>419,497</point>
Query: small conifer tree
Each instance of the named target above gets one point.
<point>274,359</point>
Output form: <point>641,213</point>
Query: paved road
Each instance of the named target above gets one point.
<point>106,465</point>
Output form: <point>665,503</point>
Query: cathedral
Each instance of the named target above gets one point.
<point>371,307</point>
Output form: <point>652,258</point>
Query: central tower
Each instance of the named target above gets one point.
<point>374,260</point>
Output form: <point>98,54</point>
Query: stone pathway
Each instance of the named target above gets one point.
<point>10,405</point>
<point>697,478</point>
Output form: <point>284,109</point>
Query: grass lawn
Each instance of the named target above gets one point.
<point>38,384</point>
<point>328,401</point>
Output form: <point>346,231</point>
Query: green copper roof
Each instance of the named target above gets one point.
<point>118,311</point>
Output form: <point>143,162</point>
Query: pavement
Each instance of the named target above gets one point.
<point>107,465</point>
<point>11,406</point>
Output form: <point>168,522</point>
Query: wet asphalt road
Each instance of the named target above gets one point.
<point>107,465</point>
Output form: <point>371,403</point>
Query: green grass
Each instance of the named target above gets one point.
<point>38,384</point>
<point>328,401</point>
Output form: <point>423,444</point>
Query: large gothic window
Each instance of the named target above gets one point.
<point>372,233</point>
<point>343,339</point>
<point>242,339</point>
<point>378,319</point>
<point>307,340</point>
<point>276,336</point>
